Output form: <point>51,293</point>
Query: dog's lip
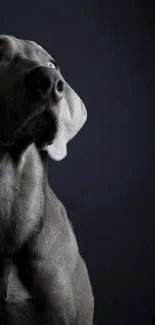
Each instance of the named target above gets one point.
<point>49,112</point>
<point>46,107</point>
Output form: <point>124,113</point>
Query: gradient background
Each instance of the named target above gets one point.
<point>106,51</point>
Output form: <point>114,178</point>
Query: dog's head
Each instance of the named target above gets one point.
<point>35,100</point>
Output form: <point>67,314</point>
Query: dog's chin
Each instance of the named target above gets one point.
<point>42,144</point>
<point>43,127</point>
<point>46,136</point>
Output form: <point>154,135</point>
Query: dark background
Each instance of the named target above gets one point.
<point>106,51</point>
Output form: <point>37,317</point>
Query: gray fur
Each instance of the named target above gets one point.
<point>36,238</point>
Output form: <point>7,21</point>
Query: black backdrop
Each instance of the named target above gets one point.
<point>106,50</point>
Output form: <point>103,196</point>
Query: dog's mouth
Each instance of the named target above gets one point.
<point>45,127</point>
<point>40,127</point>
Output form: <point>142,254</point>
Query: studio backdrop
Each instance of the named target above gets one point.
<point>106,51</point>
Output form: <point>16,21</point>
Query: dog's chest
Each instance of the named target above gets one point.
<point>21,201</point>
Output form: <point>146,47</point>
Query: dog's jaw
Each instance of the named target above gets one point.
<point>70,116</point>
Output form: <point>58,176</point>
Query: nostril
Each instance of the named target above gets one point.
<point>60,86</point>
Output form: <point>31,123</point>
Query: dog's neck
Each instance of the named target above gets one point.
<point>15,148</point>
<point>21,181</point>
<point>15,160</point>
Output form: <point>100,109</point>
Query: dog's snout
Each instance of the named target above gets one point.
<point>45,81</point>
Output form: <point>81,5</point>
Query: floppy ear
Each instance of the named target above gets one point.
<point>71,116</point>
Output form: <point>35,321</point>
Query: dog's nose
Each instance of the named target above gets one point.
<point>45,81</point>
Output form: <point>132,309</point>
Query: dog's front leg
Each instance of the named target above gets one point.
<point>64,297</point>
<point>52,297</point>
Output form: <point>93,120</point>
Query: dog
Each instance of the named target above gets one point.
<point>39,114</point>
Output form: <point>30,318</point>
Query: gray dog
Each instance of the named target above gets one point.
<point>39,114</point>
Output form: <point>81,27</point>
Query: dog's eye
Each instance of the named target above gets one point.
<point>51,65</point>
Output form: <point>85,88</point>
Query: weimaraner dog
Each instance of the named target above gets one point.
<point>39,114</point>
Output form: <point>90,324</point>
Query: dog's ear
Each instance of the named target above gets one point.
<point>71,116</point>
